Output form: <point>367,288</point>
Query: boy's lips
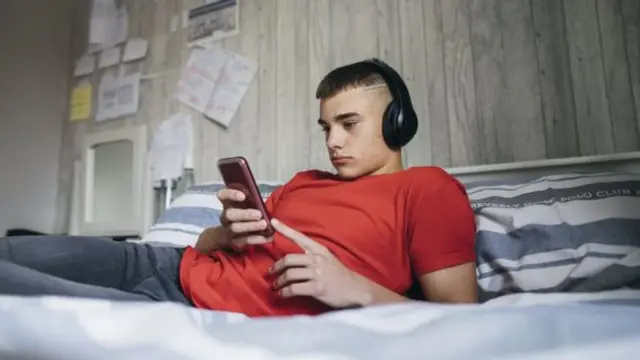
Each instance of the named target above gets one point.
<point>340,160</point>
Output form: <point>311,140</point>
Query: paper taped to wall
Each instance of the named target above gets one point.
<point>118,97</point>
<point>171,147</point>
<point>108,26</point>
<point>85,65</point>
<point>135,49</point>
<point>81,102</point>
<point>199,77</point>
<point>213,21</point>
<point>232,85</point>
<point>214,82</point>
<point>109,57</point>
<point>103,13</point>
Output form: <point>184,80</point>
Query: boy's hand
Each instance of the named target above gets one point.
<point>317,273</point>
<point>240,224</point>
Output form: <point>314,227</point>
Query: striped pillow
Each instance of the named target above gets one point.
<point>559,233</point>
<point>193,212</point>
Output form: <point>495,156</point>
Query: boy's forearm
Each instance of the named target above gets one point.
<point>375,294</point>
<point>210,239</point>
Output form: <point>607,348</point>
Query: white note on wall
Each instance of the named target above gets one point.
<point>199,77</point>
<point>101,24</point>
<point>232,85</point>
<point>118,97</point>
<point>85,65</point>
<point>135,49</point>
<point>109,57</point>
<point>171,146</point>
<point>108,26</point>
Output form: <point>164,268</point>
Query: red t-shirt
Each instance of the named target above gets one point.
<point>384,227</point>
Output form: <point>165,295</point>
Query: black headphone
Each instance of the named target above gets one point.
<point>400,121</point>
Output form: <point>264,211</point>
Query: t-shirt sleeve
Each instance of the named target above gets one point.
<point>273,198</point>
<point>442,229</point>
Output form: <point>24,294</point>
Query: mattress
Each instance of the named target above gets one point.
<point>524,326</point>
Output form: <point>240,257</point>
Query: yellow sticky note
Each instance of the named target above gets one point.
<point>81,102</point>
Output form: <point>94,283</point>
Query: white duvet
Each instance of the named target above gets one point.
<point>553,326</point>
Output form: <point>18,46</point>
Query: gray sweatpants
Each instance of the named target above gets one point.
<point>89,267</point>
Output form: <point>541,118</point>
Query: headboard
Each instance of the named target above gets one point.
<point>622,162</point>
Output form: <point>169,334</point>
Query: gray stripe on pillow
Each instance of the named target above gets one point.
<point>502,269</point>
<point>614,277</point>
<point>534,239</point>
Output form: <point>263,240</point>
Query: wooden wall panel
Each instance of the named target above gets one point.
<point>435,83</point>
<point>616,75</point>
<point>554,71</point>
<point>595,132</point>
<point>465,130</point>
<point>492,80</point>
<point>631,20</point>
<point>319,39</point>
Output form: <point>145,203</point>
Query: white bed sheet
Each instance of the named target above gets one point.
<point>551,326</point>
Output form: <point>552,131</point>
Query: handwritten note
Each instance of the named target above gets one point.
<point>199,77</point>
<point>214,82</point>
<point>232,85</point>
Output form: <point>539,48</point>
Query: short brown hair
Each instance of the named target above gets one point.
<point>349,76</point>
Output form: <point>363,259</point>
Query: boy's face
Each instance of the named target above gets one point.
<point>352,122</point>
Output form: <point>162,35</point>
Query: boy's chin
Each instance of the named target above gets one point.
<point>348,172</point>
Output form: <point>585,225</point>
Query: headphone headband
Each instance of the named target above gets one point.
<point>401,120</point>
<point>391,77</point>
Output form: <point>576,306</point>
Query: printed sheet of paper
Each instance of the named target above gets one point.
<point>81,102</point>
<point>85,65</point>
<point>118,97</point>
<point>232,85</point>
<point>198,79</point>
<point>171,146</point>
<point>213,21</point>
<point>135,49</point>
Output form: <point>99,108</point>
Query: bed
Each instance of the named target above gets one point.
<point>558,270</point>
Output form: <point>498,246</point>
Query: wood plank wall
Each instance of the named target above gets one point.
<point>492,80</point>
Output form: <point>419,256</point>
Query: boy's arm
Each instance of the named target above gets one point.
<point>442,248</point>
<point>210,239</point>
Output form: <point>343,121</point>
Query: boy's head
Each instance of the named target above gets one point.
<point>353,99</point>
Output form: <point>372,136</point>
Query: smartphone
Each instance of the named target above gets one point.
<point>236,174</point>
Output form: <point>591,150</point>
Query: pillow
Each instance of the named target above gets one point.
<point>560,233</point>
<point>193,212</point>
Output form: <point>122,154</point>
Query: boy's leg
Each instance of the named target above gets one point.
<point>129,267</point>
<point>19,280</point>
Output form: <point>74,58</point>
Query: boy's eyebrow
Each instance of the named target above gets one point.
<point>340,117</point>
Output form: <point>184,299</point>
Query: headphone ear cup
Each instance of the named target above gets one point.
<point>389,124</point>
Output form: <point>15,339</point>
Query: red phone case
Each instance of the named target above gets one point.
<point>237,174</point>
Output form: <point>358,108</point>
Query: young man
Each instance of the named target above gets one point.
<point>356,237</point>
